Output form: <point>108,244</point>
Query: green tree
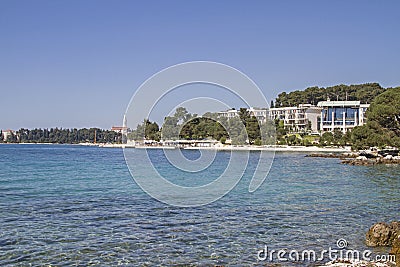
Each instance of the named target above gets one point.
<point>385,110</point>
<point>152,130</point>
<point>383,125</point>
<point>170,129</point>
<point>337,137</point>
<point>253,129</point>
<point>268,133</point>
<point>12,138</point>
<point>312,95</point>
<point>182,115</point>
<point>326,139</point>
<point>223,140</point>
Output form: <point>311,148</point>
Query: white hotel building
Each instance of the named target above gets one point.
<point>230,113</point>
<point>260,113</point>
<point>342,115</point>
<point>297,118</point>
<point>327,116</point>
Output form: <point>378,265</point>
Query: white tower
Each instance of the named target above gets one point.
<point>124,130</point>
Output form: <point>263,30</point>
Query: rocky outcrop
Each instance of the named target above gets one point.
<point>396,227</point>
<point>396,248</point>
<point>364,161</point>
<point>382,234</point>
<point>365,157</point>
<point>360,158</point>
<point>345,155</point>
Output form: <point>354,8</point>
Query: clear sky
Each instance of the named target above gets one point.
<point>78,63</point>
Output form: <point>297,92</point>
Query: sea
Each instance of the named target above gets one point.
<point>71,205</point>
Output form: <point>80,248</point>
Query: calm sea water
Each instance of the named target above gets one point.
<point>69,205</point>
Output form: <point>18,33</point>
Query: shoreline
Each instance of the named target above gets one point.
<point>218,148</point>
<point>244,148</point>
<point>275,149</point>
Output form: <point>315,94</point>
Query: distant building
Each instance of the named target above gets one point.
<point>122,130</point>
<point>7,133</point>
<point>119,129</point>
<point>326,116</point>
<point>231,113</point>
<point>298,119</point>
<point>260,113</point>
<point>342,115</point>
<point>313,115</point>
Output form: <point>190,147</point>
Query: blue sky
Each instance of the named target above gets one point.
<point>78,63</point>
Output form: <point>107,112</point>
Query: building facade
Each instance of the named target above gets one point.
<point>260,113</point>
<point>302,118</point>
<point>231,113</point>
<point>341,115</point>
<point>327,116</point>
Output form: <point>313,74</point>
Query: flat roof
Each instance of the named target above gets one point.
<point>338,103</point>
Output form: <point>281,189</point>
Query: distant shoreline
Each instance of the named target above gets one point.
<point>243,148</point>
<point>218,148</point>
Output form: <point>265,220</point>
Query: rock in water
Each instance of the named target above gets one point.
<point>396,249</point>
<point>380,234</point>
<point>396,228</point>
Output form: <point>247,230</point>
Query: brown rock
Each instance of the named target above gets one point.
<point>396,249</point>
<point>380,234</point>
<point>396,228</point>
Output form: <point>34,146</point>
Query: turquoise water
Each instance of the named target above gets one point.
<point>66,205</point>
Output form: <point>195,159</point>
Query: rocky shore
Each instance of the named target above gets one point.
<point>346,155</point>
<point>363,158</point>
<point>364,161</point>
<point>380,234</point>
<point>387,235</point>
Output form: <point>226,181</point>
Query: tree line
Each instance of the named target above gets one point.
<point>381,130</point>
<point>241,130</point>
<point>383,122</point>
<point>365,93</point>
<point>63,136</point>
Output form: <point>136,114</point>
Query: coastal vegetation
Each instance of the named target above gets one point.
<point>183,125</point>
<point>383,116</point>
<point>381,130</point>
<point>383,126</point>
<point>365,93</point>
<point>64,136</point>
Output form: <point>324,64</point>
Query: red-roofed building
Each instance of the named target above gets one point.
<point>119,129</point>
